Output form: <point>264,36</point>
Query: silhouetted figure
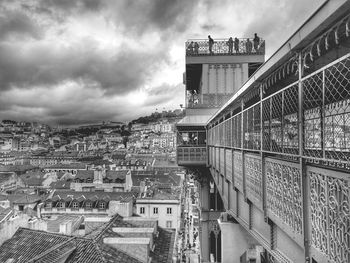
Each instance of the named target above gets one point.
<point>196,48</point>
<point>211,43</point>
<point>248,46</point>
<point>256,42</point>
<point>230,45</point>
<point>236,45</point>
<point>190,48</point>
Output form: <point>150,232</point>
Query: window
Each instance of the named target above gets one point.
<point>169,224</point>
<point>169,211</point>
<point>49,205</point>
<point>142,210</point>
<point>102,205</point>
<point>155,210</point>
<point>62,204</point>
<point>88,205</point>
<point>75,205</point>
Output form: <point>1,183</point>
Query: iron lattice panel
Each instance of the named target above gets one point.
<point>330,221</point>
<point>253,173</point>
<point>266,124</point>
<point>312,92</point>
<point>236,128</point>
<point>252,128</point>
<point>238,170</point>
<point>337,111</point>
<point>276,123</point>
<point>284,198</point>
<point>222,161</point>
<point>290,120</point>
<point>228,165</point>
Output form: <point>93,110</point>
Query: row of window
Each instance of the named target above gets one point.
<point>156,211</point>
<point>105,180</point>
<point>76,205</point>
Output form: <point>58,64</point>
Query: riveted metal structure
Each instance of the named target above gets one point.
<point>279,148</point>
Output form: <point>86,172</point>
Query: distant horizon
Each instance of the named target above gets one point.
<point>88,123</point>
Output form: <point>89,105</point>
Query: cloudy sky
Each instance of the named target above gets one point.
<point>79,61</point>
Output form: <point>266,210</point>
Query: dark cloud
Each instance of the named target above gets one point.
<point>141,16</point>
<point>18,24</point>
<point>163,94</point>
<point>43,65</point>
<point>69,5</point>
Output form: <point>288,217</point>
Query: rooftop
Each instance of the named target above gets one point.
<point>69,195</point>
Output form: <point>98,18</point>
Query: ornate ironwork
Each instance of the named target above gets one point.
<point>330,219</point>
<point>284,198</point>
<point>238,170</point>
<point>200,47</point>
<point>252,169</point>
<point>222,160</point>
<point>229,171</point>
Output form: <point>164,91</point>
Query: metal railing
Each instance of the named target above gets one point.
<point>200,47</point>
<point>300,125</point>
<point>325,119</point>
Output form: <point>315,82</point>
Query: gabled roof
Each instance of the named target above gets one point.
<point>85,174</point>
<point>49,247</point>
<point>93,196</point>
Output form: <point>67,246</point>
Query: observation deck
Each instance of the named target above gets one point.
<point>244,50</point>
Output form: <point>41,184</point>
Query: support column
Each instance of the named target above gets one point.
<point>302,165</point>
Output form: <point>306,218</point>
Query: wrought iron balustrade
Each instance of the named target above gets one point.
<point>272,124</point>
<point>308,121</point>
<point>200,47</point>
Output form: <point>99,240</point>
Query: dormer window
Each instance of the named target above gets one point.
<point>48,205</point>
<point>61,204</point>
<point>75,205</point>
<point>102,205</point>
<point>88,205</point>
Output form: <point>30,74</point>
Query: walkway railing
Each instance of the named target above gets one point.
<point>200,47</point>
<point>304,184</point>
<point>272,124</point>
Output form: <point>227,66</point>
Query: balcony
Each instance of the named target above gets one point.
<point>221,47</point>
<point>244,50</point>
<point>192,155</point>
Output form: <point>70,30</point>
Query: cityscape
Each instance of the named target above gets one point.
<point>174,131</point>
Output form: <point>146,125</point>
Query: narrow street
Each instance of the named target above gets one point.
<point>188,241</point>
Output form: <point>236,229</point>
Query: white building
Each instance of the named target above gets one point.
<point>165,209</point>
